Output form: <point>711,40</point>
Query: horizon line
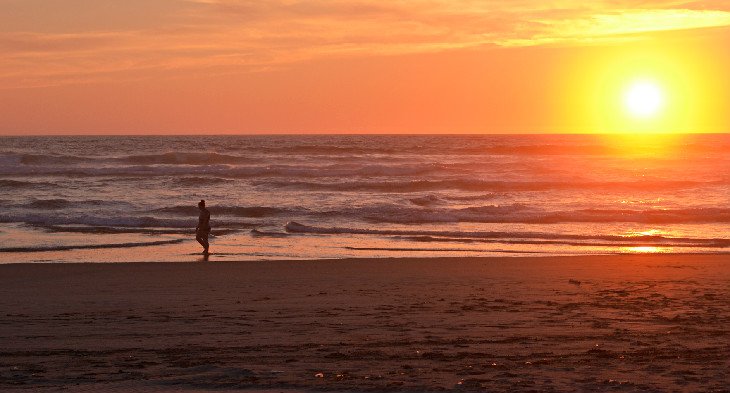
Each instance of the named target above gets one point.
<point>367,134</point>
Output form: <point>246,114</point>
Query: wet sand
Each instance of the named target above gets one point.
<point>604,323</point>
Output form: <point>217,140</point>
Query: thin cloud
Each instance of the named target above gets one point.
<point>20,43</point>
<point>620,25</point>
<point>247,35</point>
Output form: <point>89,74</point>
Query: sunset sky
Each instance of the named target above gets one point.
<point>356,66</point>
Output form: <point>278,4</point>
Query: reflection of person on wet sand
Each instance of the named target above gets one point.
<point>203,229</point>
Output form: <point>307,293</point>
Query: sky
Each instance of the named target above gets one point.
<point>356,66</point>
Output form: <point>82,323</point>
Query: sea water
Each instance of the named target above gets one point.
<point>124,198</point>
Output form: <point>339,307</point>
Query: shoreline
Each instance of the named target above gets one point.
<point>509,256</point>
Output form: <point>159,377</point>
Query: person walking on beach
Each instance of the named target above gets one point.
<point>203,229</point>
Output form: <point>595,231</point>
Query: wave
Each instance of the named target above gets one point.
<point>462,145</point>
<point>107,230</point>
<point>185,158</point>
<point>256,232</point>
<point>101,221</point>
<point>553,148</point>
<point>216,172</point>
<point>239,165</point>
<point>542,150</point>
<point>532,145</point>
<point>432,199</point>
<point>469,198</point>
<point>514,237</point>
<point>176,158</point>
<point>234,217</point>
<point>60,203</point>
<point>238,211</point>
<point>122,224</point>
<point>427,200</point>
<point>652,216</point>
<point>47,159</point>
<point>337,171</point>
<point>11,184</point>
<point>476,185</point>
<point>333,150</point>
<point>197,181</point>
<point>89,246</point>
<point>525,214</point>
<point>427,249</point>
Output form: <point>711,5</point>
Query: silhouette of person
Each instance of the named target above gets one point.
<point>203,229</point>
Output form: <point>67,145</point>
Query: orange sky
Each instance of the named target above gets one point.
<point>348,66</point>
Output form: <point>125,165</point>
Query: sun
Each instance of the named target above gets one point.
<point>644,99</point>
<point>642,88</point>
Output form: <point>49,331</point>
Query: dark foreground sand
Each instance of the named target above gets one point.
<point>615,323</point>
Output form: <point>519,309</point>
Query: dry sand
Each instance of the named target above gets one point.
<point>613,323</point>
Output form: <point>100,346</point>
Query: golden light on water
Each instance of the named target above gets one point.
<point>644,250</point>
<point>648,232</point>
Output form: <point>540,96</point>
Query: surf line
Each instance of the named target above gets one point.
<point>89,246</point>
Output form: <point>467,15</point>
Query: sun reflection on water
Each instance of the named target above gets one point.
<point>645,250</point>
<point>648,232</point>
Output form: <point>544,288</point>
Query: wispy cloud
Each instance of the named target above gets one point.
<point>246,35</point>
<point>619,25</point>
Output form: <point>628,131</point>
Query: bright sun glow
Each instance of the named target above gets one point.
<point>644,99</point>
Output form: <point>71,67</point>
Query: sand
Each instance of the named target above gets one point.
<point>604,323</point>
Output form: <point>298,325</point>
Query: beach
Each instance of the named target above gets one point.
<point>360,196</point>
<point>585,323</point>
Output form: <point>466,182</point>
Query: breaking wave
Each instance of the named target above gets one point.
<point>89,246</point>
<point>520,213</point>
<point>60,203</point>
<point>198,181</point>
<point>238,211</point>
<point>91,220</point>
<point>515,237</point>
<point>12,184</point>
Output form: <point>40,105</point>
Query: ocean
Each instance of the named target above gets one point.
<point>133,198</point>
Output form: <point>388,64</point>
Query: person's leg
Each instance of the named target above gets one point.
<point>204,242</point>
